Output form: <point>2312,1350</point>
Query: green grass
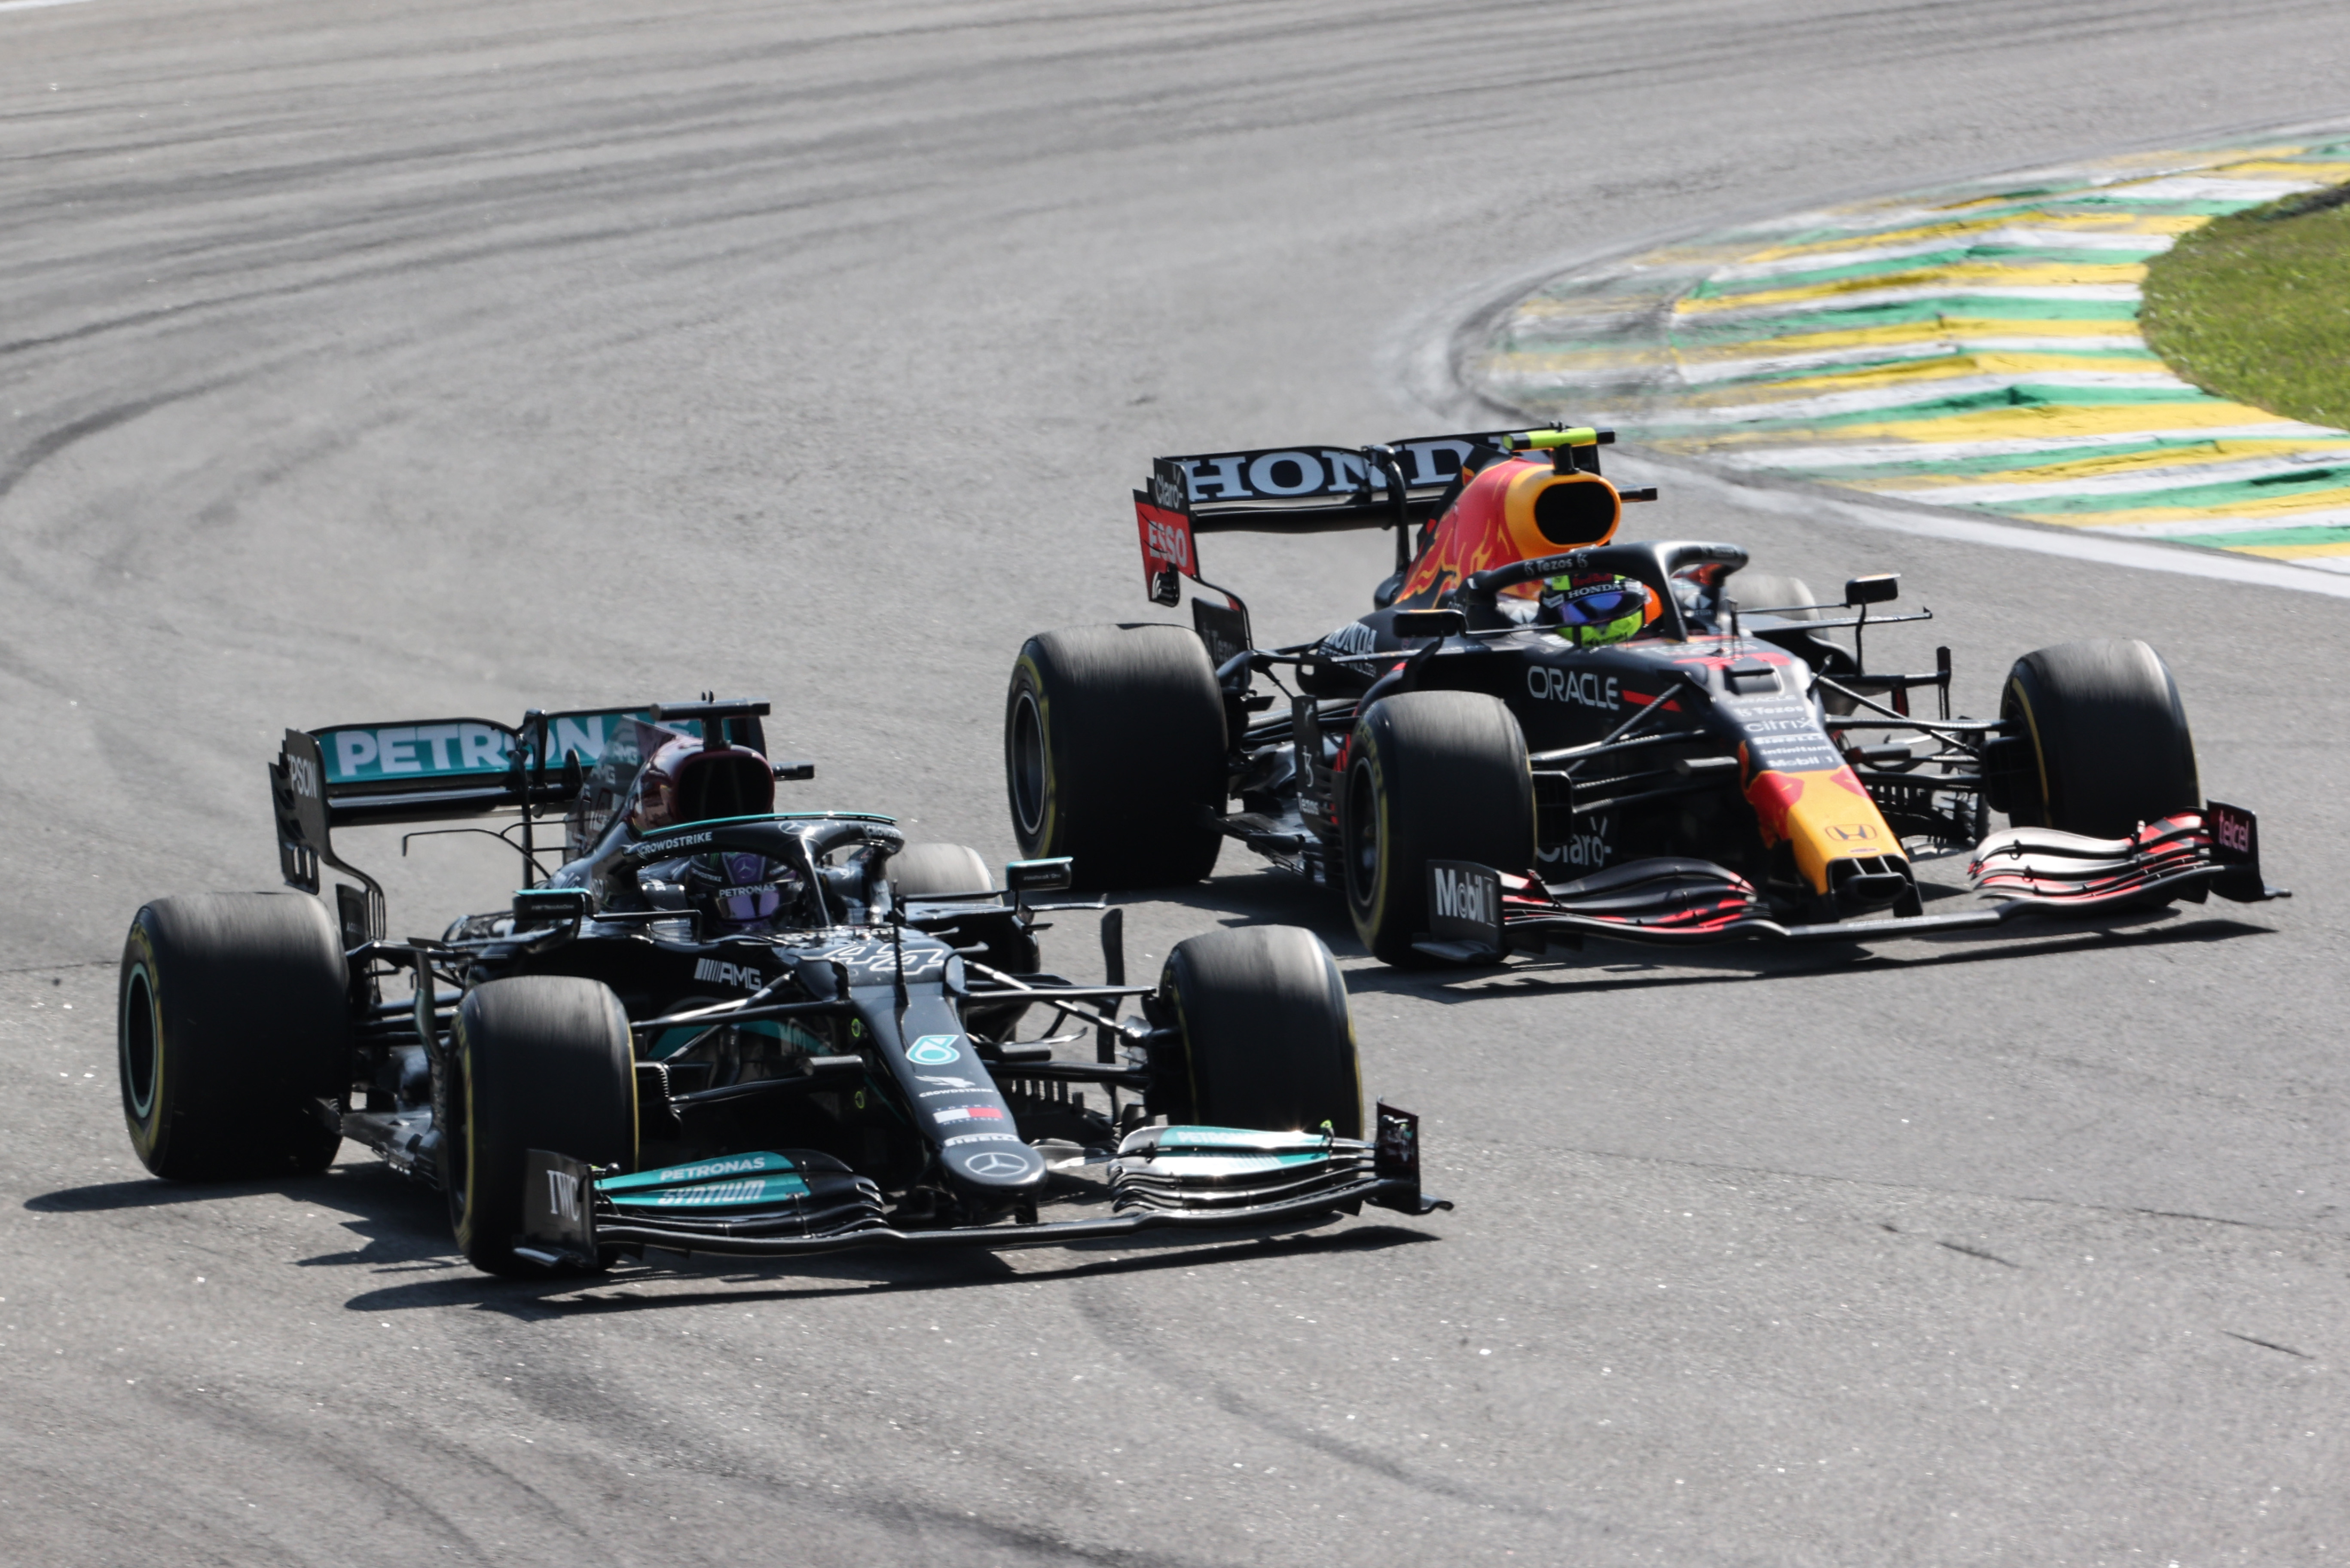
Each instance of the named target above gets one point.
<point>2256,307</point>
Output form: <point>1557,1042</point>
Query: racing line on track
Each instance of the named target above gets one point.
<point>1973,348</point>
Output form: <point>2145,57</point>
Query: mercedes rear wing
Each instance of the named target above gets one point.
<point>443,770</point>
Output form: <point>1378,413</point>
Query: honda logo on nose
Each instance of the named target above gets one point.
<point>1851,832</point>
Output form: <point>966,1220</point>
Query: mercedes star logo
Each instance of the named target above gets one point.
<point>994,1163</point>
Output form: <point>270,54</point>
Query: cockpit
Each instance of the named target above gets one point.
<point>653,777</point>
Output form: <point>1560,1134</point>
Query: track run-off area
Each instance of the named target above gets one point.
<point>363,362</point>
<point>1975,347</point>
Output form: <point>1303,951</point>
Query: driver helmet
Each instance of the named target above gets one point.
<point>740,892</point>
<point>1590,608</point>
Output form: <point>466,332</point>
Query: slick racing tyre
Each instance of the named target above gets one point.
<point>937,870</point>
<point>1114,751</point>
<point>1763,590</point>
<point>232,1035</point>
<point>1267,1041</point>
<point>535,1062</point>
<point>1431,775</point>
<point>2107,745</point>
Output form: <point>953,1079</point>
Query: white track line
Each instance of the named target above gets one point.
<point>36,4</point>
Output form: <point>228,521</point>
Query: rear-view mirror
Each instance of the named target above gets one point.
<point>1430,623</point>
<point>1038,876</point>
<point>1876,589</point>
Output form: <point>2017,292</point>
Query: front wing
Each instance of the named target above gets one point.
<point>1477,914</point>
<point>798,1203</point>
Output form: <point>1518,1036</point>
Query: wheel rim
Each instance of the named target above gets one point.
<point>1361,844</point>
<point>1028,781</point>
<point>141,1029</point>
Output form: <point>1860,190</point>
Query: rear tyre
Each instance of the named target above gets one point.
<point>935,870</point>
<point>1114,752</point>
<point>1268,1043</point>
<point>233,1036</point>
<point>1431,775</point>
<point>2106,741</point>
<point>1765,590</point>
<point>535,1062</point>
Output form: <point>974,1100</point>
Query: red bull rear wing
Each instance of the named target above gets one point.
<point>1322,489</point>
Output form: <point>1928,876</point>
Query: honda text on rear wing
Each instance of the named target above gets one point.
<point>1324,489</point>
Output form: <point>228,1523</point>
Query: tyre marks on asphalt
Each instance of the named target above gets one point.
<point>1974,347</point>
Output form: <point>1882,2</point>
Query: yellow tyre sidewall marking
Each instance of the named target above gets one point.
<point>1048,811</point>
<point>146,1130</point>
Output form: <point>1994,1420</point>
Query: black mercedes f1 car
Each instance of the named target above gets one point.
<point>717,1027</point>
<point>1483,771</point>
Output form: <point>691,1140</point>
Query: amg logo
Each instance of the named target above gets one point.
<point>746,976</point>
<point>563,1194</point>
<point>1463,896</point>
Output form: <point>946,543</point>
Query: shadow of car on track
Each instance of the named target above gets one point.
<point>399,1224</point>
<point>661,1286</point>
<point>1608,966</point>
<point>1276,898</point>
<point>403,1228</point>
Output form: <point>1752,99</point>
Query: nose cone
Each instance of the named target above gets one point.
<point>998,1166</point>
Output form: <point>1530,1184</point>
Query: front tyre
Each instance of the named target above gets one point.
<point>1114,753</point>
<point>1267,1041</point>
<point>1431,775</point>
<point>233,1036</point>
<point>535,1062</point>
<point>2106,736</point>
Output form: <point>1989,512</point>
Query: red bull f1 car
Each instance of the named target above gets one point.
<point>718,1027</point>
<point>1539,733</point>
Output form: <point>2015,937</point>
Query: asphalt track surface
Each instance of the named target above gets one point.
<point>361,362</point>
